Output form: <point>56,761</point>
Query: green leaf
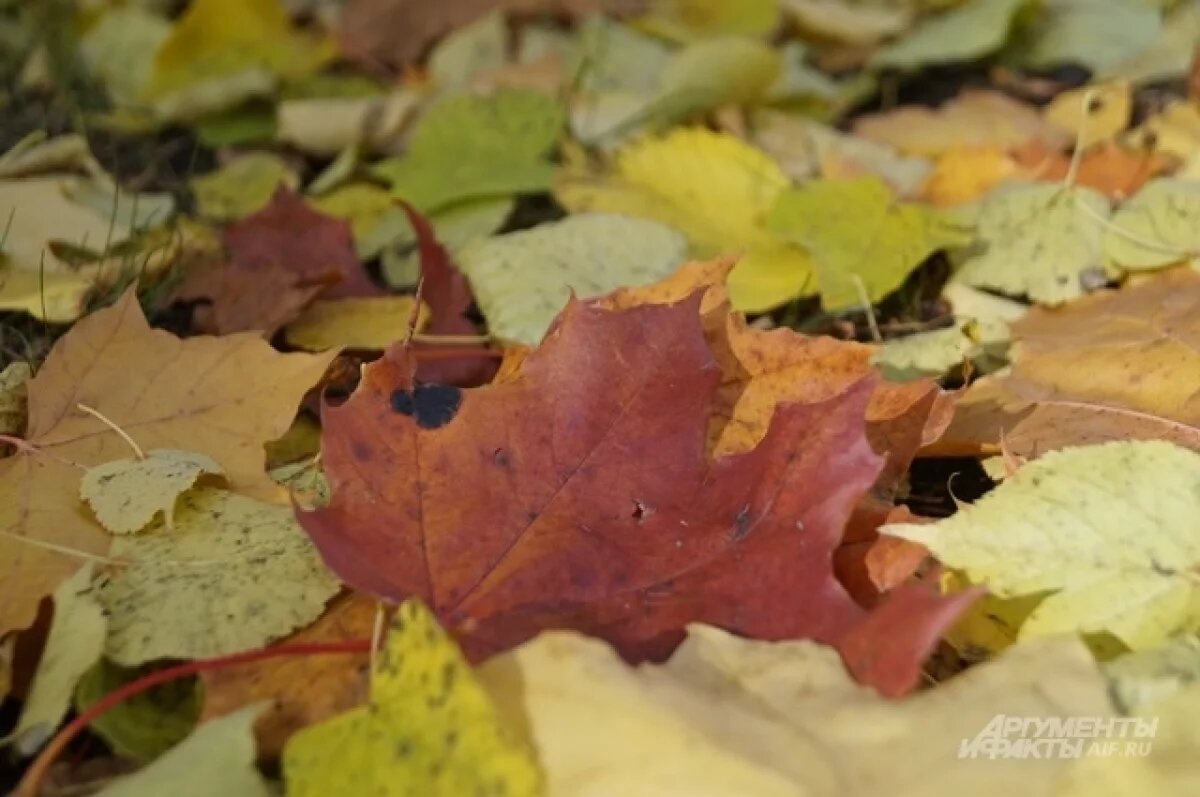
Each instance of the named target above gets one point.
<point>965,33</point>
<point>242,186</point>
<point>481,45</point>
<point>430,729</point>
<point>861,239</point>
<point>691,20</point>
<point>1159,226</point>
<point>522,280</point>
<point>1097,34</point>
<point>146,725</point>
<point>1108,531</point>
<point>232,575</point>
<point>1042,240</point>
<point>215,761</point>
<point>469,147</point>
<point>1168,55</point>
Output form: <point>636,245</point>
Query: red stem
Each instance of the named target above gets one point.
<point>31,782</point>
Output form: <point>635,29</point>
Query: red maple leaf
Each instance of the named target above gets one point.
<point>578,494</point>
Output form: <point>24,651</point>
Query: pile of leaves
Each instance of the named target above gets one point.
<point>583,397</point>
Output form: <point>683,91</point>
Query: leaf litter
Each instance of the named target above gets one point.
<point>540,397</point>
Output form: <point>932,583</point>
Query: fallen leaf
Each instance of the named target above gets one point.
<point>1095,34</point>
<point>118,51</point>
<point>220,397</point>
<point>13,398</point>
<point>692,20</point>
<point>239,300</point>
<point>325,126</point>
<point>289,233</point>
<point>965,32</point>
<point>1157,227</point>
<point>75,643</point>
<point>1163,765</point>
<point>362,323</point>
<point>287,682</point>
<point>1092,113</point>
<point>732,716</point>
<point>1139,679</point>
<point>1175,131</point>
<point>849,22</point>
<point>38,211</point>
<point>469,147</point>
<point>863,243</point>
<point>1105,530</point>
<point>218,759</point>
<point>1043,241</point>
<point>476,47</point>
<point>242,186</point>
<point>428,729</point>
<point>221,52</point>
<point>965,174</point>
<point>1118,365</point>
<point>1168,55</point>
<point>145,726</point>
<point>523,279</point>
<point>393,32</point>
<point>126,494</point>
<point>1114,170</point>
<point>233,574</point>
<point>714,189</point>
<point>974,118</point>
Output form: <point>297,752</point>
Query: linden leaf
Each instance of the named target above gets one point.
<point>472,147</point>
<point>1107,530</point>
<point>220,52</point>
<point>126,494</point>
<point>215,761</point>
<point>145,726</point>
<point>232,575</point>
<point>1044,241</point>
<point>1158,227</point>
<point>522,280</point>
<point>714,189</point>
<point>861,240</point>
<point>964,33</point>
<point>223,398</point>
<point>429,729</point>
<point>75,642</point>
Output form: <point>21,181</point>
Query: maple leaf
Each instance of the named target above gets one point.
<point>592,503</point>
<point>223,398</point>
<point>1117,365</point>
<point>279,259</point>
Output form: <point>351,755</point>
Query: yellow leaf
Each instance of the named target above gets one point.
<point>729,716</point>
<point>222,397</point>
<point>690,20</point>
<point>222,51</point>
<point>126,494</point>
<point>373,322</point>
<point>74,644</point>
<point>1091,113</point>
<point>964,174</point>
<point>430,729</point>
<point>863,242</point>
<point>242,186</point>
<point>232,575</point>
<point>714,189</point>
<point>1108,531</point>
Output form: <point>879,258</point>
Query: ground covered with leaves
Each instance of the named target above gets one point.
<point>593,398</point>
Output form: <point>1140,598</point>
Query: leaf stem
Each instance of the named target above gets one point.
<point>1077,154</point>
<point>30,784</point>
<point>111,425</point>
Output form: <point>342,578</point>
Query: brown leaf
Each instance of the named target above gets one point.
<point>1117,365</point>
<point>396,32</point>
<point>1113,170</point>
<point>302,689</point>
<point>223,397</point>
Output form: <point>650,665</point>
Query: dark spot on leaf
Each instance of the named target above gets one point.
<point>501,459</point>
<point>741,524</point>
<point>431,405</point>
